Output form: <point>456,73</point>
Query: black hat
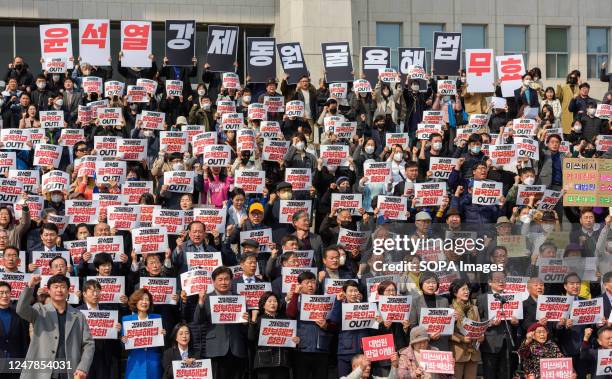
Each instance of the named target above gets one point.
<point>283,185</point>
<point>250,242</point>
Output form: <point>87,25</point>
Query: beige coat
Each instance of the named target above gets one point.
<point>464,352</point>
<point>565,94</point>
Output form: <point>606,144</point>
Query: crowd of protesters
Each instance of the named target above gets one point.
<point>42,324</point>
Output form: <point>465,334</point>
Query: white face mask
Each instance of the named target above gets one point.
<point>59,102</point>
<point>201,92</point>
<point>369,149</point>
<point>300,146</point>
<point>398,157</point>
<point>577,128</point>
<point>55,77</point>
<point>57,198</point>
<point>178,167</point>
<point>206,106</point>
<point>342,260</point>
<point>526,82</point>
<point>41,85</point>
<point>148,133</point>
<point>591,112</point>
<point>437,146</point>
<point>529,181</point>
<point>548,227</point>
<point>246,99</point>
<point>525,219</point>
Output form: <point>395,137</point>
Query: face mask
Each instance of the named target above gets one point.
<point>285,195</point>
<point>548,227</point>
<point>446,98</point>
<point>588,153</point>
<point>57,198</point>
<point>577,128</point>
<point>398,157</point>
<point>18,66</point>
<point>415,87</point>
<point>475,149</point>
<point>572,80</point>
<point>380,126</point>
<point>148,133</point>
<point>346,224</point>
<point>206,106</point>
<point>369,149</point>
<point>86,73</point>
<point>178,167</point>
<point>591,112</point>
<point>529,181</point>
<point>385,93</point>
<point>41,85</point>
<point>59,102</point>
<point>300,146</point>
<point>201,92</point>
<point>342,260</point>
<point>55,77</point>
<point>463,79</point>
<point>526,82</point>
<point>437,146</point>
<point>525,219</point>
<point>246,99</point>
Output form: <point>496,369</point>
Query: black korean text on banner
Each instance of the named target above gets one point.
<point>372,60</point>
<point>173,220</point>
<point>252,292</point>
<point>200,368</point>
<point>150,240</point>
<point>179,181</point>
<point>257,111</point>
<point>173,142</point>
<point>217,155</point>
<point>94,42</point>
<point>290,207</point>
<point>230,80</point>
<point>109,116</point>
<point>353,240</point>
<point>212,218</point>
<point>358,316</point>
<point>554,308</point>
<point>222,49</point>
<point>412,56</point>
<point>315,307</point>
<point>292,59</point>
<point>337,62</point>
<point>274,150</point>
<point>34,202</point>
<point>143,333</point>
<point>290,276</point>
<point>132,190</point>
<point>447,53</point>
<point>137,94</point>
<point>47,155</point>
<point>132,149</point>
<point>161,289</point>
<point>10,190</point>
<point>261,59</point>
<point>29,179</point>
<point>277,333</point>
<point>180,42</point>
<point>146,215</point>
<point>102,323</point>
<point>430,193</point>
<point>112,245</point>
<point>15,139</point>
<point>136,43</point>
<point>347,201</point>
<point>262,236</point>
<point>108,172</point>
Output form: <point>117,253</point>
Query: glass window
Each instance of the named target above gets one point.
<point>597,50</point>
<point>557,55</point>
<point>426,33</point>
<point>6,48</point>
<point>27,40</point>
<point>389,35</point>
<point>472,37</point>
<point>515,41</point>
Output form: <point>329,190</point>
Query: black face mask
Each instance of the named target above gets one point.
<point>588,153</point>
<point>380,126</point>
<point>18,66</point>
<point>333,110</point>
<point>346,224</point>
<point>572,80</point>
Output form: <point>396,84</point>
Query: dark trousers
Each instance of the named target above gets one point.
<point>228,367</point>
<point>310,365</point>
<point>501,365</point>
<point>272,373</point>
<point>580,366</point>
<point>344,365</point>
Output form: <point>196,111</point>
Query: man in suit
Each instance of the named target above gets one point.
<point>331,266</point>
<point>194,242</point>
<point>535,288</point>
<point>587,234</point>
<point>14,337</point>
<point>306,239</point>
<point>569,336</point>
<point>526,96</point>
<point>248,264</point>
<point>60,332</point>
<point>496,347</point>
<point>607,295</point>
<point>225,343</point>
<point>72,98</point>
<point>48,243</point>
<point>107,352</point>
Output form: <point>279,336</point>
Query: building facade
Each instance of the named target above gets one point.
<point>555,35</point>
